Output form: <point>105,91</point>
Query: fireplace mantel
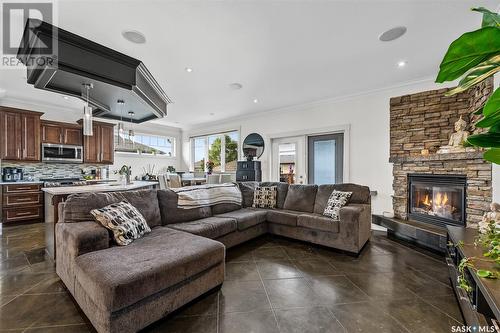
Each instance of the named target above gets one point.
<point>437,157</point>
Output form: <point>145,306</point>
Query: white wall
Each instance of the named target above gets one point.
<point>368,117</point>
<point>72,114</point>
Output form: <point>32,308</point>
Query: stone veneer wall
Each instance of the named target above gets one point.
<point>425,121</point>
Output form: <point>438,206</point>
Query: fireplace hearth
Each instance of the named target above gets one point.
<point>437,199</point>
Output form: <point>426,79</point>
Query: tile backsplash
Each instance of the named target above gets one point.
<point>36,171</point>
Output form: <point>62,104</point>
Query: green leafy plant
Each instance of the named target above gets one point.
<point>489,241</point>
<point>474,57</point>
<point>125,170</point>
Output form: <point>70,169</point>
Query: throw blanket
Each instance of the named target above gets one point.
<point>208,195</point>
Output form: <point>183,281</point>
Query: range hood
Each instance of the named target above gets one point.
<point>75,61</point>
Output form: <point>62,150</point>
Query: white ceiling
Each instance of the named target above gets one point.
<point>283,52</point>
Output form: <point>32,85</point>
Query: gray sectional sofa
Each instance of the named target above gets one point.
<point>124,289</point>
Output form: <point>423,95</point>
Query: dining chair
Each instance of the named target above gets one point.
<point>199,174</point>
<point>174,181</point>
<point>213,179</point>
<point>226,178</point>
<point>162,179</point>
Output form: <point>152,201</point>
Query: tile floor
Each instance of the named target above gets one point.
<point>272,285</point>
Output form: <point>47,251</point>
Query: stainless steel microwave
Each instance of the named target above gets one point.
<point>62,153</point>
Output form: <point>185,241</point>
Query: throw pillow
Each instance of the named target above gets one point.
<point>124,220</point>
<point>265,197</point>
<point>336,201</point>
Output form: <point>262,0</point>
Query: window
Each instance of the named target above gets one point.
<point>145,144</point>
<point>222,149</point>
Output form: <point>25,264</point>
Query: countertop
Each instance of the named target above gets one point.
<point>109,187</point>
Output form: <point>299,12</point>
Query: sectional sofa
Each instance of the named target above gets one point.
<point>124,289</point>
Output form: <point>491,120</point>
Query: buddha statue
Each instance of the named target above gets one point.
<point>457,139</point>
<point>492,216</point>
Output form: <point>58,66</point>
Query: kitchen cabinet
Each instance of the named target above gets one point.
<point>22,202</point>
<point>19,135</point>
<point>61,133</point>
<point>99,147</point>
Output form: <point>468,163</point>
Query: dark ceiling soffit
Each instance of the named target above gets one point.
<point>98,64</point>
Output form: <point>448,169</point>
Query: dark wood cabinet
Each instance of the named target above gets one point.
<point>61,133</point>
<point>30,129</point>
<point>248,171</point>
<point>99,147</point>
<point>19,135</point>
<point>107,139</point>
<point>22,202</point>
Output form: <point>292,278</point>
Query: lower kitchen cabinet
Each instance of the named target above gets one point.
<point>22,202</point>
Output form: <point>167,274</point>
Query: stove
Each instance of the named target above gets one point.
<point>61,182</point>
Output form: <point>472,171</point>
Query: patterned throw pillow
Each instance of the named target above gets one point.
<point>124,220</point>
<point>265,197</point>
<point>336,201</point>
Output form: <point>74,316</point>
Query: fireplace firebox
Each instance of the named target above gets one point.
<point>437,199</point>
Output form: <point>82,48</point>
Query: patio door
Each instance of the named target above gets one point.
<point>325,158</point>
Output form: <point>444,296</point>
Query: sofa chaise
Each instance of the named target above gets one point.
<point>126,288</point>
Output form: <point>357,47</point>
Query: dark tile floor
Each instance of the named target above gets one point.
<point>272,285</point>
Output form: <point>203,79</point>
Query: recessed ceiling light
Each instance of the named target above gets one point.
<point>188,69</point>
<point>235,86</point>
<point>65,97</point>
<point>256,100</point>
<point>392,34</point>
<point>401,64</point>
<point>134,36</point>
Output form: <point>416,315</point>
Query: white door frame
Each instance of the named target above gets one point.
<point>345,129</point>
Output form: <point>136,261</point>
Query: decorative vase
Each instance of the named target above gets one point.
<point>125,180</point>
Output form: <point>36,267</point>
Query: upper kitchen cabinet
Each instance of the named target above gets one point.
<point>99,147</point>
<point>19,135</point>
<point>61,133</point>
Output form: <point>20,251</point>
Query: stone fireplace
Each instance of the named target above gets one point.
<point>437,189</point>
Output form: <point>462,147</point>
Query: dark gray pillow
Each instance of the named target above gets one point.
<point>78,206</point>
<point>247,189</point>
<point>301,198</point>
<point>171,213</point>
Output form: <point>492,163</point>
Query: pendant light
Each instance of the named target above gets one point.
<point>87,112</point>
<point>131,133</point>
<point>121,128</point>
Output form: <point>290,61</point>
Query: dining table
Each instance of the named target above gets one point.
<point>194,181</point>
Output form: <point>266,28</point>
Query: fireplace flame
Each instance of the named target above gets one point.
<point>440,200</point>
<point>426,200</point>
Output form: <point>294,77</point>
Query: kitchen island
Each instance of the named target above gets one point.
<point>55,195</point>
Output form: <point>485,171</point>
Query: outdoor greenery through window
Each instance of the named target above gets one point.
<point>145,144</point>
<point>221,149</point>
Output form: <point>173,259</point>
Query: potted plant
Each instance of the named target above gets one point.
<point>210,167</point>
<point>474,57</point>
